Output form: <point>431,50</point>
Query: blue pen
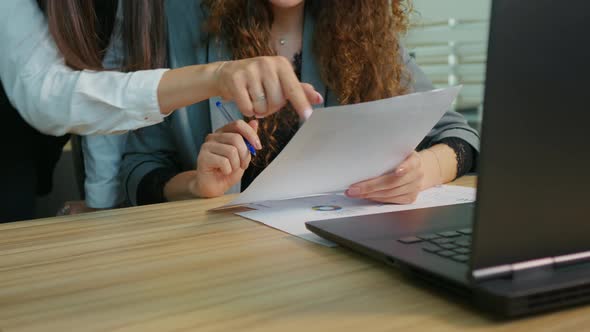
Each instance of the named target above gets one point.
<point>229,118</point>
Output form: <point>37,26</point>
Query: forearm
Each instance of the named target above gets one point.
<point>439,163</point>
<point>178,188</point>
<point>186,86</point>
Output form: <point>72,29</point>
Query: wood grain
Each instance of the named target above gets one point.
<point>176,267</point>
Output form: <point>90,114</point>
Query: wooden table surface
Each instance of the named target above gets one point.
<point>176,267</point>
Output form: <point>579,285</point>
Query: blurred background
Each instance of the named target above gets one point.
<point>448,39</point>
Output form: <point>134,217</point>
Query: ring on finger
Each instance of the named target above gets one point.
<point>260,98</point>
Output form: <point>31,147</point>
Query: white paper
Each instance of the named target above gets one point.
<point>290,215</point>
<point>339,146</point>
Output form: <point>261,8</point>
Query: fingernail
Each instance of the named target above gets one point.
<point>259,116</point>
<point>319,99</point>
<point>353,191</point>
<point>258,144</point>
<point>307,113</point>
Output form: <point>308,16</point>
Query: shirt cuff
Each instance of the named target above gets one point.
<point>143,96</point>
<point>465,154</point>
<point>151,188</point>
<point>113,102</point>
<point>105,195</point>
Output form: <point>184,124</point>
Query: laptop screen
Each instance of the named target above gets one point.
<point>534,183</point>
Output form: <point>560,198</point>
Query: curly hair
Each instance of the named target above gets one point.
<point>357,53</point>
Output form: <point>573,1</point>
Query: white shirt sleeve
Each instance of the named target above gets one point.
<point>57,100</point>
<point>102,161</point>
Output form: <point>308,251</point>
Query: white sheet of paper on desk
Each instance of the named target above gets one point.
<point>290,215</point>
<point>339,146</point>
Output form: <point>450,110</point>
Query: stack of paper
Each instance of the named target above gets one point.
<point>291,215</point>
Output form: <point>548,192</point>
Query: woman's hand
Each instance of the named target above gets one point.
<point>223,159</point>
<point>261,86</point>
<point>401,186</point>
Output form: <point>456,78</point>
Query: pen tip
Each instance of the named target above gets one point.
<point>218,103</point>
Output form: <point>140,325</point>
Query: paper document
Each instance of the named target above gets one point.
<point>290,215</point>
<point>339,146</point>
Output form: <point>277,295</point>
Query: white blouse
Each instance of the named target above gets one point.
<point>56,99</point>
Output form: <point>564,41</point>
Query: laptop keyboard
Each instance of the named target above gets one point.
<point>454,245</point>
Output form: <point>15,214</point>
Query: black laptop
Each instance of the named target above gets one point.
<point>524,247</point>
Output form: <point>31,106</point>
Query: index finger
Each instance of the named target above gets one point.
<point>293,91</point>
<point>244,129</point>
<point>412,161</point>
<point>379,183</point>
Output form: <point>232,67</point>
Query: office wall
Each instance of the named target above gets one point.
<point>448,39</point>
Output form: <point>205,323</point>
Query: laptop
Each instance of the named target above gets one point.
<point>524,246</point>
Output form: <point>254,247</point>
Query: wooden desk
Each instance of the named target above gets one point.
<point>176,267</point>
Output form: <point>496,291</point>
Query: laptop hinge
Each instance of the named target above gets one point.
<point>526,267</point>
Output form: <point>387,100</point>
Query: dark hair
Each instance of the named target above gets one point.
<point>82,31</point>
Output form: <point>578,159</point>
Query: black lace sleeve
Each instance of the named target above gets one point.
<point>466,154</point>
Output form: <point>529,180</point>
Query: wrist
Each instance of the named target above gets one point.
<point>182,186</point>
<point>212,75</point>
<point>193,187</point>
<point>187,85</point>
<point>431,169</point>
<point>204,78</point>
<point>215,78</point>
